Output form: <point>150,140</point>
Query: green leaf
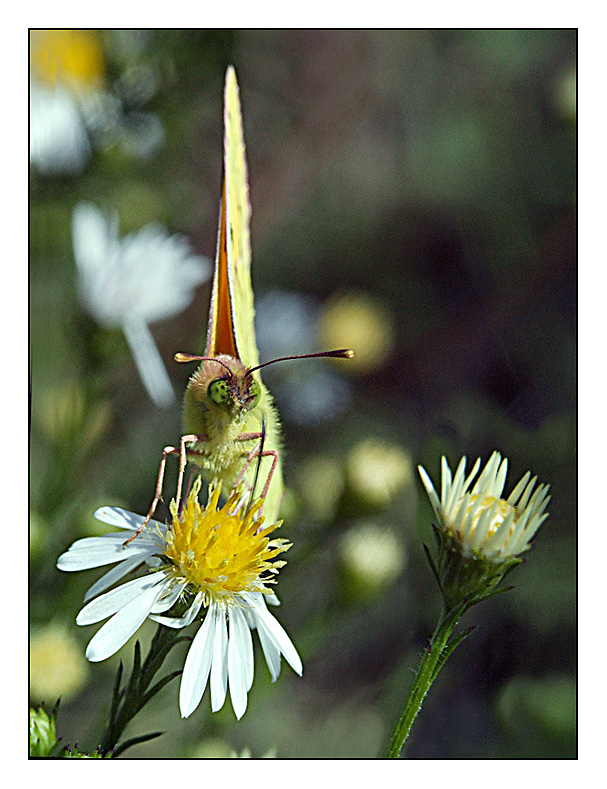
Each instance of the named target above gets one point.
<point>135,741</point>
<point>159,686</point>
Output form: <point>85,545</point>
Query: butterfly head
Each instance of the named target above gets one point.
<point>224,384</point>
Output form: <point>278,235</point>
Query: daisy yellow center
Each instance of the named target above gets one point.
<point>223,551</point>
<point>480,504</point>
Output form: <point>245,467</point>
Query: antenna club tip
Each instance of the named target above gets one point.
<point>342,353</point>
<point>185,357</point>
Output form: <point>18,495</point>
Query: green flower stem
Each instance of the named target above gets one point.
<point>434,658</point>
<point>130,699</point>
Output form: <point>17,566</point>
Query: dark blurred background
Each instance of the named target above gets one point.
<point>413,197</point>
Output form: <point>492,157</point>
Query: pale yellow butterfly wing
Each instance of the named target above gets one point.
<point>231,318</point>
<point>232,311</point>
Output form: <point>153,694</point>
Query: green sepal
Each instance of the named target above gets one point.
<point>431,563</point>
<point>464,577</point>
<point>43,741</point>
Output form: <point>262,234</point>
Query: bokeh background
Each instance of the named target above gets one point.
<point>413,197</point>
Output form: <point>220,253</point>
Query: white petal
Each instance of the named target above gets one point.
<point>58,139</point>
<point>94,237</point>
<point>456,485</point>
<point>115,633</point>
<point>197,666</point>
<point>275,630</point>
<point>110,578</point>
<point>96,551</point>
<point>123,519</point>
<point>427,482</point>
<point>445,480</point>
<point>485,483</point>
<point>107,604</point>
<point>148,361</point>
<point>219,669</point>
<point>525,497</point>
<point>240,661</point>
<point>518,489</point>
<point>271,652</point>
<point>183,621</point>
<point>471,475</point>
<point>170,596</point>
<point>500,479</point>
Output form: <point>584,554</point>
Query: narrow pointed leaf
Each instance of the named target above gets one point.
<point>135,741</point>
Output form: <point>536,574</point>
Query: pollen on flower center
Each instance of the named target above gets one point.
<point>479,505</point>
<point>223,551</point>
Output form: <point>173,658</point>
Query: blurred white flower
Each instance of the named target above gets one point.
<point>314,397</point>
<point>73,109</point>
<point>58,139</point>
<point>285,324</point>
<point>246,754</point>
<point>128,283</point>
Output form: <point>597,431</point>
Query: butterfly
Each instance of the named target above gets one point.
<point>231,427</point>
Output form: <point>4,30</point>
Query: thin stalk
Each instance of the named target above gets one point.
<point>427,673</point>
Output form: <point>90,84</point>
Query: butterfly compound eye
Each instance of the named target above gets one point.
<point>218,391</point>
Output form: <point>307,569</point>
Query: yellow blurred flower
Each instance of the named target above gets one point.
<point>57,665</point>
<point>377,471</point>
<point>212,748</point>
<point>37,534</point>
<point>372,555</point>
<point>72,57</point>
<point>321,484</point>
<point>64,414</point>
<point>565,94</point>
<point>358,321</point>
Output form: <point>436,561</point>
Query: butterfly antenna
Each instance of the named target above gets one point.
<point>342,353</point>
<point>188,357</point>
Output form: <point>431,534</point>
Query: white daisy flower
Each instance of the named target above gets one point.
<point>131,282</point>
<point>217,560</point>
<point>481,522</point>
<point>58,139</point>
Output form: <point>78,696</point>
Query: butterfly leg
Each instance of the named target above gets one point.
<point>157,494</point>
<point>183,459</point>
<point>182,452</point>
<point>188,484</point>
<point>257,452</point>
